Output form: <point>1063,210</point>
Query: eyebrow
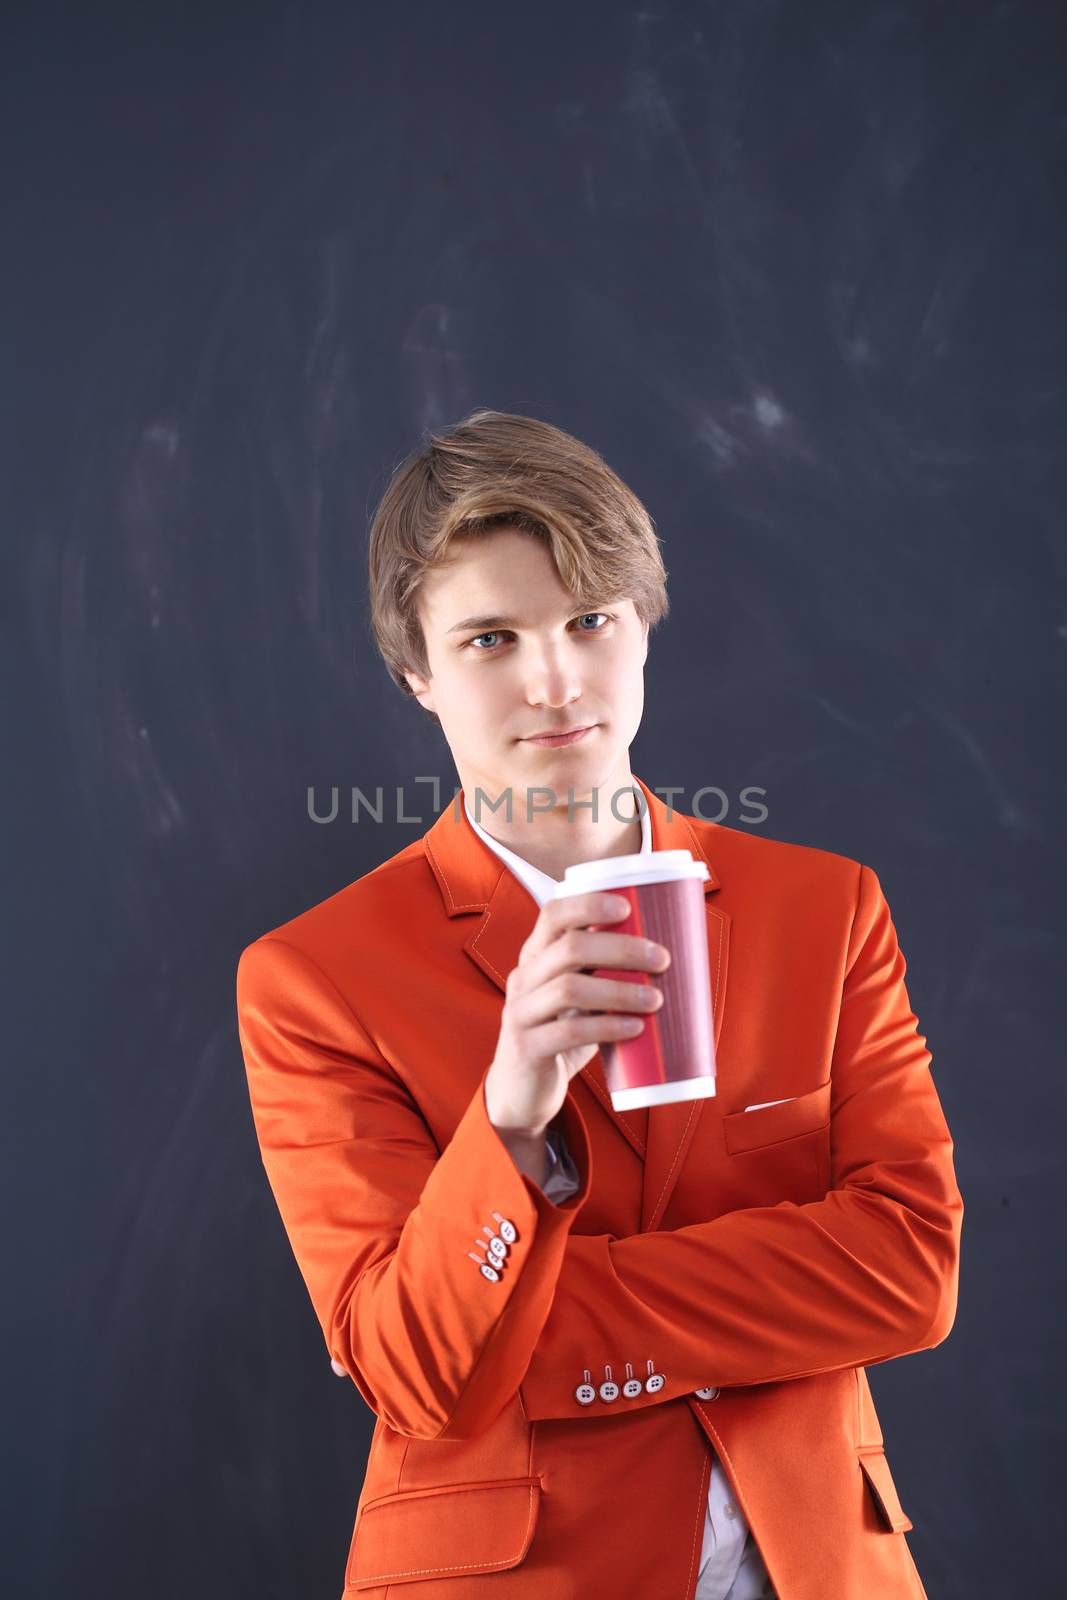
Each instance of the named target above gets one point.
<point>484,624</point>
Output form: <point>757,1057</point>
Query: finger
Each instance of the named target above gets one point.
<point>581,949</point>
<point>572,911</point>
<point>582,991</point>
<point>565,1033</point>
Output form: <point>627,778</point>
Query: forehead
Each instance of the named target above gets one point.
<point>499,572</point>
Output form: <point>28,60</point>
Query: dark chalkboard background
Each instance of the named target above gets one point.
<point>794,270</point>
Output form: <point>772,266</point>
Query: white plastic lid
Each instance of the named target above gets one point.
<point>616,872</point>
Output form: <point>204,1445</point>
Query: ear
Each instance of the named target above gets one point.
<point>420,688</point>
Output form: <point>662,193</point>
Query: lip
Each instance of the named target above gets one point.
<point>550,740</point>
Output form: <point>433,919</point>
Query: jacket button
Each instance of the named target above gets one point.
<point>609,1390</point>
<point>489,1272</point>
<point>632,1387</point>
<point>506,1229</point>
<point>655,1380</point>
<point>707,1394</point>
<point>497,1247</point>
<point>585,1394</point>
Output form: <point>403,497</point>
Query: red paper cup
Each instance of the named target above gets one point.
<point>673,1057</point>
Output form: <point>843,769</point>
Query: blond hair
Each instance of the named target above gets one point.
<point>497,469</point>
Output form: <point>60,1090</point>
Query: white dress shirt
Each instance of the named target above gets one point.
<point>731,1567</point>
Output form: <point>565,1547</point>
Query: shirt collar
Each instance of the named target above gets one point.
<point>540,885</point>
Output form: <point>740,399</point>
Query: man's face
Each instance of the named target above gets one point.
<point>556,664</point>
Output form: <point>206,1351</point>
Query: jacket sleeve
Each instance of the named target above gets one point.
<point>781,1291</point>
<point>382,1223</point>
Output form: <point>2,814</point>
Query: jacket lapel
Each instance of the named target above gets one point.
<point>477,884</point>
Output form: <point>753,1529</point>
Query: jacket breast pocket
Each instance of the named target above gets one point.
<point>444,1532</point>
<point>780,1151</point>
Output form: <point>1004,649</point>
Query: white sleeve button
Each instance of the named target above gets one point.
<point>585,1394</point>
<point>497,1247</point>
<point>608,1389</point>
<point>506,1229</point>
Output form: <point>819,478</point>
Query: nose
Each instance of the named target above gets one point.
<point>552,679</point>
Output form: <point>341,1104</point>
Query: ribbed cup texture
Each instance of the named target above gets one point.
<point>677,1041</point>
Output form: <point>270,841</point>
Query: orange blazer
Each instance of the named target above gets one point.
<point>754,1261</point>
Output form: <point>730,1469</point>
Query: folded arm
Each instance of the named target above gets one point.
<point>781,1291</point>
<point>383,1223</point>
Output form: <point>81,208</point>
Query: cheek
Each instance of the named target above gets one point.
<point>483,695</point>
<point>626,673</point>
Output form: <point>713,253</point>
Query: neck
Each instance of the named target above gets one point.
<point>552,840</point>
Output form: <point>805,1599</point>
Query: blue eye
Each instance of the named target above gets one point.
<point>502,633</point>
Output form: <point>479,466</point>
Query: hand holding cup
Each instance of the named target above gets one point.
<point>557,1014</point>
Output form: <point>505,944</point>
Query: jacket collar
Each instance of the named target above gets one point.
<point>475,883</point>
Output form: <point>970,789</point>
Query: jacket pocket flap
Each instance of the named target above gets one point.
<point>749,1130</point>
<point>443,1532</point>
<point>884,1490</point>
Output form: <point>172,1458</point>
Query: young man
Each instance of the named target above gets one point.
<point>608,1352</point>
